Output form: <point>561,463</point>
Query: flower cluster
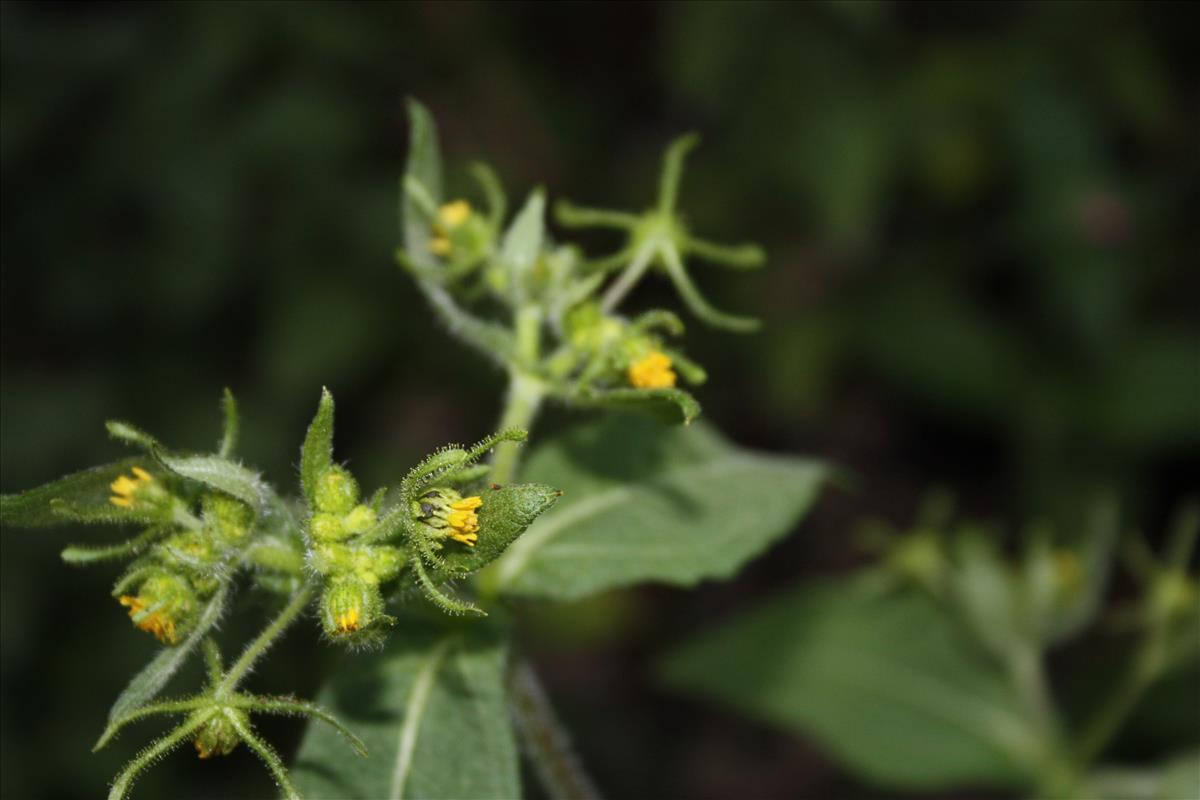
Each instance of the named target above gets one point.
<point>567,336</point>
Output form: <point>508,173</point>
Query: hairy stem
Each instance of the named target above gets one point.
<point>120,787</point>
<point>525,394</point>
<point>545,741</point>
<point>255,649</point>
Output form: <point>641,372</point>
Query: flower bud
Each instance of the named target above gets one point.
<point>378,563</point>
<point>359,519</point>
<point>218,737</point>
<point>337,491</point>
<point>326,527</point>
<point>228,520</point>
<point>350,605</point>
<point>164,606</point>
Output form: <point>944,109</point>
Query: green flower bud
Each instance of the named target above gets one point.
<point>218,737</point>
<point>351,607</point>
<point>331,559</point>
<point>378,563</point>
<point>337,491</point>
<point>228,520</point>
<point>359,519</point>
<point>164,606</point>
<point>326,527</point>
<point>191,550</point>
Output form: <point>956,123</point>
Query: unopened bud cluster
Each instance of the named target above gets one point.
<point>351,565</point>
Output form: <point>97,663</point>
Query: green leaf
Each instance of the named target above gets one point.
<point>1178,778</point>
<point>504,515</point>
<point>154,676</point>
<point>523,241</point>
<point>432,712</point>
<point>229,430</point>
<point>644,502</point>
<point>218,473</point>
<point>672,406</point>
<point>316,455</point>
<point>425,167</point>
<point>886,682</point>
<point>81,554</point>
<point>79,497</point>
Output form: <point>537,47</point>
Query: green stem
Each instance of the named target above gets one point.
<point>1056,774</point>
<point>120,787</point>
<point>546,741</point>
<point>525,391</point>
<point>1143,671</point>
<point>255,649</point>
<point>632,274</point>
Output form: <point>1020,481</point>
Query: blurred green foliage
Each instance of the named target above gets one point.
<point>979,218</point>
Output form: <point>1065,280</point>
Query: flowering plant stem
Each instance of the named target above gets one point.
<point>525,392</point>
<point>263,642</point>
<point>545,740</point>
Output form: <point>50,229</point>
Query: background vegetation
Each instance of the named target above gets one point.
<point>981,227</point>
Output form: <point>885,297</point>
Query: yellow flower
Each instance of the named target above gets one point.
<point>124,488</point>
<point>152,622</point>
<point>347,622</point>
<point>450,216</point>
<point>652,372</point>
<point>464,522</point>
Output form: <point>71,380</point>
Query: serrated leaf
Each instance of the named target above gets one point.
<point>644,502</point>
<point>888,683</point>
<point>432,712</point>
<point>154,676</point>
<point>316,455</point>
<point>218,473</point>
<point>504,515</point>
<point>672,406</point>
<point>79,497</point>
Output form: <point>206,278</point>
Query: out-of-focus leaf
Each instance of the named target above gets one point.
<point>643,502</point>
<point>433,713</point>
<point>79,497</point>
<point>1177,779</point>
<point>523,241</point>
<point>886,682</point>
<point>672,406</point>
<point>425,166</point>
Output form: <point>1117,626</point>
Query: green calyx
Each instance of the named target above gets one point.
<point>218,736</point>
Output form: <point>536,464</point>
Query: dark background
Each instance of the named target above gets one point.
<point>981,222</point>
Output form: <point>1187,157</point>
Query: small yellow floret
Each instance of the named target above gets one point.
<point>652,372</point>
<point>451,215</point>
<point>440,246</point>
<point>348,622</point>
<point>154,623</point>
<point>464,522</point>
<point>124,487</point>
